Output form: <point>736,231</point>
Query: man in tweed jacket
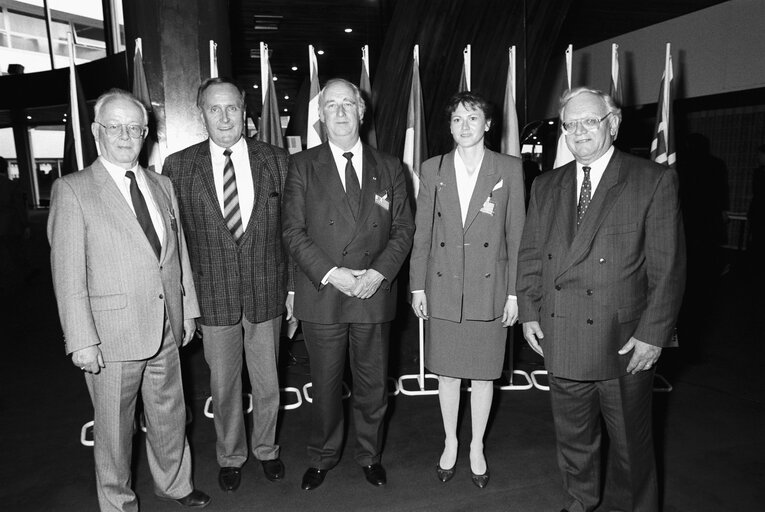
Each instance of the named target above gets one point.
<point>601,273</point>
<point>230,191</point>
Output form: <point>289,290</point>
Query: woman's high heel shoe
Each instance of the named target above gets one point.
<point>480,481</point>
<point>445,474</point>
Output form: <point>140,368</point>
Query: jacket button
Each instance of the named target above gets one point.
<point>602,260</point>
<point>557,287</point>
<point>442,244</point>
<point>552,315</point>
<point>366,253</point>
<point>487,275</point>
<point>161,267</point>
<point>374,224</point>
<point>589,292</point>
<point>486,244</point>
<point>331,222</point>
<point>161,296</point>
<point>439,214</point>
<point>438,274</point>
<point>549,256</point>
<point>589,321</point>
<point>345,253</point>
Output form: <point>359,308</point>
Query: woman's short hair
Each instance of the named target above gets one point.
<point>472,101</point>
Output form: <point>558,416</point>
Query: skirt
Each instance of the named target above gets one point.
<point>467,350</point>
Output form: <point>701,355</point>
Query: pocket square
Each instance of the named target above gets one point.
<point>383,201</point>
<point>499,185</point>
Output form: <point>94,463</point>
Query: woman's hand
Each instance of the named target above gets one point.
<point>420,305</point>
<point>510,313</point>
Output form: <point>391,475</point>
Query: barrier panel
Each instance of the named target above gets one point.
<point>421,391</point>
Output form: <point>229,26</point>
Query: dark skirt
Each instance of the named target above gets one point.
<point>466,350</point>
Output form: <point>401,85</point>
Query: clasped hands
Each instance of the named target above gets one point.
<point>361,284</point>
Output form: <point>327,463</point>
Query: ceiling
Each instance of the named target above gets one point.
<point>289,26</point>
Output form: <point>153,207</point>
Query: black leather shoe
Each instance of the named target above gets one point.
<point>229,478</point>
<point>195,499</point>
<point>375,474</point>
<point>445,474</point>
<point>480,481</point>
<point>273,469</point>
<point>313,478</point>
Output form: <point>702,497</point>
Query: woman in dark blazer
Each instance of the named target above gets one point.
<point>470,213</point>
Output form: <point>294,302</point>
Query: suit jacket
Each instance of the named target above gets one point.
<point>321,233</point>
<point>110,288</point>
<point>249,277</point>
<point>468,272</point>
<point>620,274</point>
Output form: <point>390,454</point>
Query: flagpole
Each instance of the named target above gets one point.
<point>213,59</point>
<point>512,65</point>
<point>75,118</point>
<point>263,71</point>
<point>569,59</point>
<point>466,60</point>
<point>615,69</point>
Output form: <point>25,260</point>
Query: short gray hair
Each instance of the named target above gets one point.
<point>113,94</point>
<point>360,103</point>
<point>608,101</point>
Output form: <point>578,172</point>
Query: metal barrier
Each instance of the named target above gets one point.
<point>416,377</point>
<point>518,387</point>
<point>663,386</point>
<point>294,405</point>
<point>309,399</point>
<point>540,373</point>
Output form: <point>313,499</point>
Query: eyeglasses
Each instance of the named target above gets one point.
<point>588,123</point>
<point>135,131</point>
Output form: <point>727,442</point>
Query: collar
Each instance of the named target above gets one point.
<point>599,165</point>
<point>337,151</point>
<point>119,172</point>
<point>238,148</point>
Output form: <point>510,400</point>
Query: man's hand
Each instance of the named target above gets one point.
<point>189,328</point>
<point>289,305</point>
<point>510,312</point>
<point>344,279</point>
<point>644,356</point>
<point>533,333</point>
<point>420,305</point>
<point>88,359</point>
<point>367,282</point>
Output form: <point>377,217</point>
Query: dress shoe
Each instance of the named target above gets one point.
<point>480,481</point>
<point>313,478</point>
<point>195,499</point>
<point>273,469</point>
<point>375,474</point>
<point>229,478</point>
<point>445,474</point>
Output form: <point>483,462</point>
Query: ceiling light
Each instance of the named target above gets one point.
<point>267,21</point>
<point>294,68</point>
<point>286,97</point>
<point>320,52</point>
<point>255,86</point>
<point>275,79</point>
<point>29,117</point>
<point>285,110</point>
<point>348,30</point>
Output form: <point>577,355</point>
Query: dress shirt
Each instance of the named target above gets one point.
<point>245,188</point>
<point>465,182</point>
<point>597,168</point>
<point>117,173</point>
<point>341,161</point>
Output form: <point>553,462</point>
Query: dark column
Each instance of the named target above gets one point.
<point>24,157</point>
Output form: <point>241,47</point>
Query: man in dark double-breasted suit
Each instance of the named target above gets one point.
<point>348,227</point>
<point>230,191</point>
<point>601,274</point>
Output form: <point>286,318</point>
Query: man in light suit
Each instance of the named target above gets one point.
<point>348,226</point>
<point>230,191</point>
<point>126,300</point>
<point>601,273</point>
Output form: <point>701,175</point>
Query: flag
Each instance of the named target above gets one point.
<point>315,133</point>
<point>150,154</point>
<point>663,144</point>
<point>563,154</point>
<point>617,88</point>
<point>369,133</point>
<point>213,59</point>
<point>79,144</point>
<point>270,121</point>
<point>511,143</point>
<point>465,76</point>
<point>415,141</point>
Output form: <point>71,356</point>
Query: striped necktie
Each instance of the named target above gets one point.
<point>231,212</point>
<point>584,196</point>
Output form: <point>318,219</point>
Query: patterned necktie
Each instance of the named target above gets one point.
<point>231,211</point>
<point>584,196</point>
<point>142,214</point>
<point>352,187</point>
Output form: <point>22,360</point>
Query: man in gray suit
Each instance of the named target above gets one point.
<point>601,274</point>
<point>126,300</point>
<point>230,191</point>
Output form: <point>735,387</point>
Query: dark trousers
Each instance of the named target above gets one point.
<point>625,406</point>
<point>367,347</point>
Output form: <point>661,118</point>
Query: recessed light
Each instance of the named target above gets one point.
<point>275,79</point>
<point>320,52</point>
<point>286,97</point>
<point>285,110</point>
<point>29,117</point>
<point>255,86</point>
<point>294,68</point>
<point>348,30</point>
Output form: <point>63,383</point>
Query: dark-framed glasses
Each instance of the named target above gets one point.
<point>135,131</point>
<point>588,123</point>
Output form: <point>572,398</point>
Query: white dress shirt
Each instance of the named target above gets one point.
<point>340,160</point>
<point>465,182</point>
<point>245,187</point>
<point>597,168</point>
<point>117,173</point>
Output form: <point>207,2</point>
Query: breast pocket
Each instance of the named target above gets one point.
<point>619,229</point>
<point>108,302</point>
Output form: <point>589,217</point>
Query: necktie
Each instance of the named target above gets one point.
<point>352,187</point>
<point>142,213</point>
<point>231,212</point>
<point>584,196</point>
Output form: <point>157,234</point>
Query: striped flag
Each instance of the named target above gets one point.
<point>150,153</point>
<point>617,87</point>
<point>465,76</point>
<point>663,144</point>
<point>368,132</point>
<point>511,143</point>
<point>79,144</point>
<point>315,133</point>
<point>270,121</point>
<point>563,154</point>
<point>415,141</point>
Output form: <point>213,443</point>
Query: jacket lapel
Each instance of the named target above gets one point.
<point>203,174</point>
<point>164,206</point>
<point>564,202</point>
<point>327,175</point>
<point>446,190</point>
<point>369,185</point>
<point>487,179</point>
<point>260,177</point>
<point>609,189</point>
